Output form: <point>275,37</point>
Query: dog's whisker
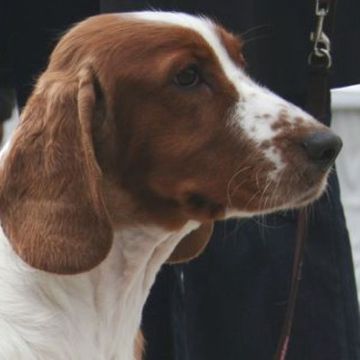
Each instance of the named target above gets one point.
<point>237,173</point>
<point>255,38</point>
<point>253,29</point>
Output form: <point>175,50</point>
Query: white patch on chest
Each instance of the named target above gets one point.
<point>91,316</point>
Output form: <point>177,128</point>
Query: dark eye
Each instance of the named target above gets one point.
<point>188,77</point>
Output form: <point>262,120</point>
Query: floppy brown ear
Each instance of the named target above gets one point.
<point>51,203</point>
<point>192,245</point>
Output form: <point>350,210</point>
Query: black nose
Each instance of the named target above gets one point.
<point>322,147</point>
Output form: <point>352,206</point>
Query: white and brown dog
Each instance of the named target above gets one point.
<point>142,131</point>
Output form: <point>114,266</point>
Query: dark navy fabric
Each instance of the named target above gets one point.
<point>233,297</point>
<point>29,30</point>
<point>229,304</point>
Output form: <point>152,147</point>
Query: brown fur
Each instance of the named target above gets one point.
<point>192,245</point>
<point>51,203</point>
<point>233,44</point>
<point>96,138</point>
<point>139,346</point>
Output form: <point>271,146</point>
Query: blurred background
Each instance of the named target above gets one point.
<point>346,122</point>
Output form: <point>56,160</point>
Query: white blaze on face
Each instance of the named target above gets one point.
<point>257,109</point>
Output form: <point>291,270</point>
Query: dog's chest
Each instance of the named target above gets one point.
<point>93,320</point>
<point>90,316</point>
<point>81,317</point>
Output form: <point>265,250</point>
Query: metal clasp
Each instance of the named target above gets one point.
<point>322,45</point>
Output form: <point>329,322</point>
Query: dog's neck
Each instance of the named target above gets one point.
<point>100,310</point>
<point>139,254</point>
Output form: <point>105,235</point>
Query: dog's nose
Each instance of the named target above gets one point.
<point>322,148</point>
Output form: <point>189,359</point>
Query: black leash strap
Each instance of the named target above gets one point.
<point>318,102</point>
<point>295,282</point>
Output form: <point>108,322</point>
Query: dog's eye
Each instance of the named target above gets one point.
<point>188,77</point>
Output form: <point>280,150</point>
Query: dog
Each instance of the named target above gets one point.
<point>143,130</point>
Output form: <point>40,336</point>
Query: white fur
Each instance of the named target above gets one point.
<point>91,316</point>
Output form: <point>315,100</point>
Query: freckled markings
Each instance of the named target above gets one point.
<point>258,110</point>
<point>273,154</point>
<point>252,97</point>
<point>265,144</point>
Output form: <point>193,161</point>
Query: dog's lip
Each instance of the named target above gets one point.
<point>309,196</point>
<point>299,201</point>
<point>313,190</point>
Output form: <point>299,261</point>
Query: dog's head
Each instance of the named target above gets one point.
<point>150,117</point>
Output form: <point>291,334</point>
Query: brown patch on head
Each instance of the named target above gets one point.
<point>233,44</point>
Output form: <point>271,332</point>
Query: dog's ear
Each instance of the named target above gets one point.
<point>192,245</point>
<point>51,203</point>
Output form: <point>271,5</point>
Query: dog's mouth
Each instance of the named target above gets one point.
<point>300,179</point>
<point>253,186</point>
<point>307,197</point>
<point>291,191</point>
<point>204,206</point>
